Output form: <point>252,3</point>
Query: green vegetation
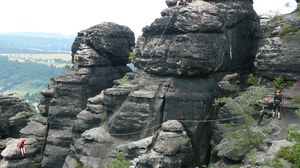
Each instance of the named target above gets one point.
<point>298,9</point>
<point>68,67</point>
<point>252,80</point>
<point>26,79</point>
<point>25,76</point>
<point>275,163</point>
<point>243,106</point>
<point>23,43</point>
<point>252,158</point>
<point>298,112</point>
<point>124,80</point>
<point>131,57</point>
<point>291,153</point>
<point>292,134</point>
<point>217,101</point>
<point>278,83</point>
<point>246,141</point>
<point>119,162</point>
<point>296,100</point>
<point>275,19</point>
<point>287,28</point>
<point>268,31</point>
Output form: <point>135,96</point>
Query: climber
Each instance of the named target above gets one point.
<point>277,104</point>
<point>183,2</point>
<point>267,107</point>
<point>22,147</point>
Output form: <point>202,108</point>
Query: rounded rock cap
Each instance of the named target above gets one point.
<point>172,126</point>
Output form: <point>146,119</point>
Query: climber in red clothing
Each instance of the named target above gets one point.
<point>22,147</point>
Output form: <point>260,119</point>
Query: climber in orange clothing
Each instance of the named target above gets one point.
<point>22,147</point>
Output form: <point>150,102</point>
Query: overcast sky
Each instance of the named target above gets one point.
<point>71,16</point>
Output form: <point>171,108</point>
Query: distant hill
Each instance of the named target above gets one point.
<point>35,43</point>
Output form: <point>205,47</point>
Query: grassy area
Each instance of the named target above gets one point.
<point>57,60</point>
<point>65,57</point>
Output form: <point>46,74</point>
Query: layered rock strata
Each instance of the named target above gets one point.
<point>200,39</point>
<point>279,47</point>
<point>100,55</point>
<point>14,114</point>
<point>177,58</point>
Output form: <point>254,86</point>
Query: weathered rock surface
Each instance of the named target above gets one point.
<point>200,39</point>
<point>229,149</point>
<point>148,102</point>
<point>100,54</point>
<point>11,152</point>
<point>278,54</point>
<point>19,121</point>
<point>103,44</point>
<point>10,122</point>
<point>172,148</point>
<point>92,148</point>
<point>157,115</point>
<point>12,157</point>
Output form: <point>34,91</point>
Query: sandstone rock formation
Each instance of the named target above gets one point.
<point>200,39</point>
<point>161,114</point>
<point>100,55</point>
<point>14,114</point>
<point>13,157</point>
<point>279,48</point>
<point>203,40</point>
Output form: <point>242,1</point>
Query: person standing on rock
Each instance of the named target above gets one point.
<point>22,147</point>
<point>277,104</point>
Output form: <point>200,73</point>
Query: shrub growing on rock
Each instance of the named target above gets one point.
<point>119,162</point>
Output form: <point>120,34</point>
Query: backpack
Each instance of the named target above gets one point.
<point>277,99</point>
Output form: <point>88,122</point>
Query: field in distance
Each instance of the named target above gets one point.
<point>57,60</point>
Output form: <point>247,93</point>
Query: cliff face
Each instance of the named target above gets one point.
<point>99,57</point>
<point>14,114</point>
<point>157,115</point>
<point>161,114</point>
<point>200,39</point>
<point>279,47</point>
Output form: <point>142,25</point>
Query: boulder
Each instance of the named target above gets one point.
<point>228,149</point>
<point>199,39</point>
<point>17,122</point>
<point>103,44</point>
<point>11,152</point>
<point>10,106</point>
<point>172,148</point>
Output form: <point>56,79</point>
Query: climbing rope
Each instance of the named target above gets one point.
<point>160,39</point>
<point>114,117</point>
<point>46,134</point>
<point>183,121</point>
<point>148,61</point>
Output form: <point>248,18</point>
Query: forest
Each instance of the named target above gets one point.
<point>26,79</point>
<point>35,43</point>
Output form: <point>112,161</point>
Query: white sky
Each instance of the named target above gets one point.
<point>72,16</point>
